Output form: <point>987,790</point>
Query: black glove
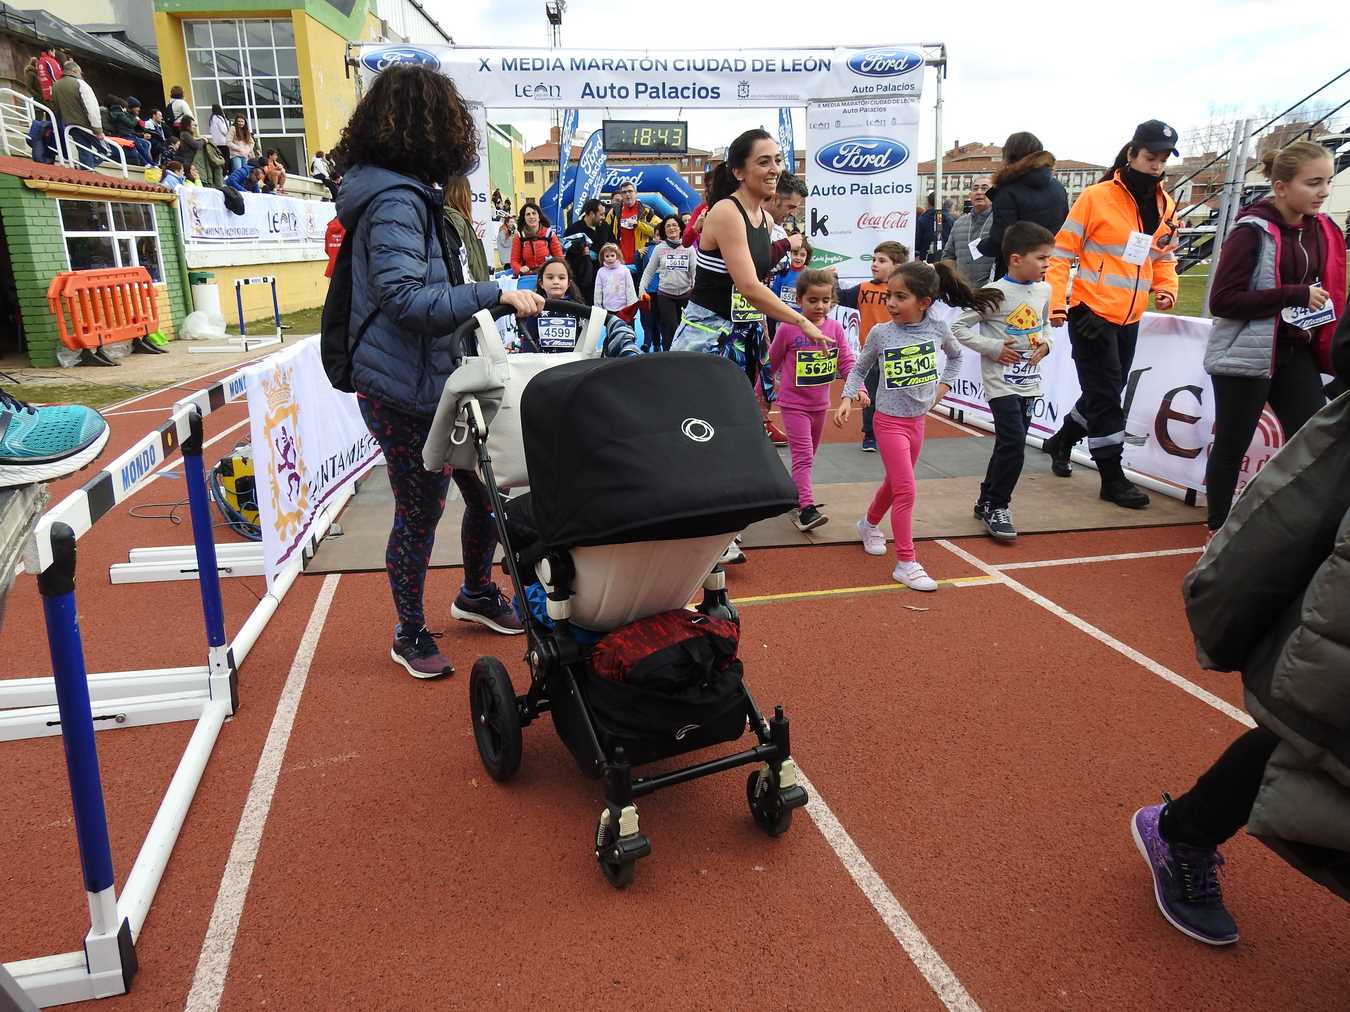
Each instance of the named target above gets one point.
<point>1085,326</point>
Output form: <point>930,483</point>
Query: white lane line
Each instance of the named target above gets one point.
<point>1105,638</point>
<point>178,386</point>
<point>920,951</point>
<point>979,433</point>
<point>217,438</point>
<point>213,963</point>
<point>1089,559</point>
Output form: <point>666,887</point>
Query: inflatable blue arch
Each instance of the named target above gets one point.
<point>660,187</point>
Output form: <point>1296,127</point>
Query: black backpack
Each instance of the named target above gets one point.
<point>337,340</point>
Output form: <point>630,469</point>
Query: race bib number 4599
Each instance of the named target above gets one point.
<point>909,366</point>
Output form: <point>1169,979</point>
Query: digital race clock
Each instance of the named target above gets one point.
<point>646,137</point>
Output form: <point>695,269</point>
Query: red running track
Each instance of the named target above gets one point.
<point>983,754</point>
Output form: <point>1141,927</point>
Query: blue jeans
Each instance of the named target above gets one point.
<point>237,162</point>
<point>83,137</point>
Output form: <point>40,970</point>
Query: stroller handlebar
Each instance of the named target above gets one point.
<point>597,318</point>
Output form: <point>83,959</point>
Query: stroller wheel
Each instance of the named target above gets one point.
<point>766,805</point>
<point>617,856</point>
<point>496,720</point>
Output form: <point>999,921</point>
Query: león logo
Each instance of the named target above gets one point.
<point>286,475</point>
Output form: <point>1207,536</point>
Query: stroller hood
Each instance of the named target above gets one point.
<point>651,448</point>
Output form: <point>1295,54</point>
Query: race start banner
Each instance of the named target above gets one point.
<point>862,116</point>
<point>309,443</point>
<point>266,217</point>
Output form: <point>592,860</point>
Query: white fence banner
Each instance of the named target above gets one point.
<point>266,217</point>
<point>309,442</point>
<point>656,79</point>
<point>1169,403</point>
<point>862,167</point>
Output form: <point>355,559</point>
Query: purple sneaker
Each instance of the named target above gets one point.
<point>489,608</point>
<point>1185,881</point>
<point>420,655</point>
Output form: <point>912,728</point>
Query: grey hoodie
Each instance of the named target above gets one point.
<point>909,377</point>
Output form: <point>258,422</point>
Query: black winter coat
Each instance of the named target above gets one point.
<point>1024,191</point>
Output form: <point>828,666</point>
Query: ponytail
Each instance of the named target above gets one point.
<point>1122,160</point>
<point>723,179</point>
<point>943,281</point>
<point>1282,165</point>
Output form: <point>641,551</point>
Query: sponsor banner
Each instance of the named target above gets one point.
<point>1169,402</point>
<point>785,140</point>
<point>479,188</point>
<point>863,174</point>
<point>597,79</point>
<point>266,217</point>
<point>570,119</point>
<point>590,171</point>
<point>309,443</point>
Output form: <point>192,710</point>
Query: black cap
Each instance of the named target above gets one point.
<point>1156,136</point>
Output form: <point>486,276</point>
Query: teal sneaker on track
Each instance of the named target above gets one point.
<point>43,444</point>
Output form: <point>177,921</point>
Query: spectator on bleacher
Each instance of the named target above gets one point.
<point>246,179</point>
<point>201,154</point>
<point>124,125</point>
<point>323,172</point>
<point>241,144</point>
<point>30,79</point>
<point>218,131</point>
<point>147,130</point>
<point>173,174</point>
<point>179,110</point>
<point>274,172</point>
<point>48,72</point>
<point>77,108</point>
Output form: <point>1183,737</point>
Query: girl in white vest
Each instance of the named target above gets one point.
<point>1279,288</point>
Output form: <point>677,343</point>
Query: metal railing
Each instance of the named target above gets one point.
<point>18,113</point>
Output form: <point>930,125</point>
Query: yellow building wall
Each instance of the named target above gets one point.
<point>517,170</point>
<point>300,285</point>
<point>328,94</point>
<point>173,67</point>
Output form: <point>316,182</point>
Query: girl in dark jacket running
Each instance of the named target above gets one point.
<point>408,287</point>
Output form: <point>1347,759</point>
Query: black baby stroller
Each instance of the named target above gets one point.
<point>641,470</point>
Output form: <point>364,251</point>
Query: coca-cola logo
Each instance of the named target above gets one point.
<point>884,222</point>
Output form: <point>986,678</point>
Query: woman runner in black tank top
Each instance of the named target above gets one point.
<point>713,286</point>
<point>730,301</point>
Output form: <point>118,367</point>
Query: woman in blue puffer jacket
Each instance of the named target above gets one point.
<point>409,134</point>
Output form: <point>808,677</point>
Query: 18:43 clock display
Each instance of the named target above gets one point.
<point>646,137</point>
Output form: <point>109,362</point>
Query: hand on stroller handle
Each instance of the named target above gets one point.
<point>597,317</point>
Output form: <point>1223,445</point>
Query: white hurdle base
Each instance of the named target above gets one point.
<point>179,562</point>
<point>237,345</point>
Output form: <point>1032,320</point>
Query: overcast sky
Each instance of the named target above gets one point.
<point>1079,76</point>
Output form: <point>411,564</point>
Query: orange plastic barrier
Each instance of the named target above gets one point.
<point>93,308</point>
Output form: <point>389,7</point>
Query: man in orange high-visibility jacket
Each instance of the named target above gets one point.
<point>1122,232</point>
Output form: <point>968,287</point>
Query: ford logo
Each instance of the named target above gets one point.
<point>885,62</point>
<point>382,59</point>
<point>862,156</point>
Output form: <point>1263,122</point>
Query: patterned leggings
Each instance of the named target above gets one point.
<point>419,500</point>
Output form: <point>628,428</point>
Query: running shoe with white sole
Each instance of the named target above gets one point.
<point>873,538</point>
<point>913,576</point>
<point>733,556</point>
<point>489,608</point>
<point>46,443</point>
<point>419,655</point>
<point>998,523</point>
<point>1185,881</point>
<point>810,518</point>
